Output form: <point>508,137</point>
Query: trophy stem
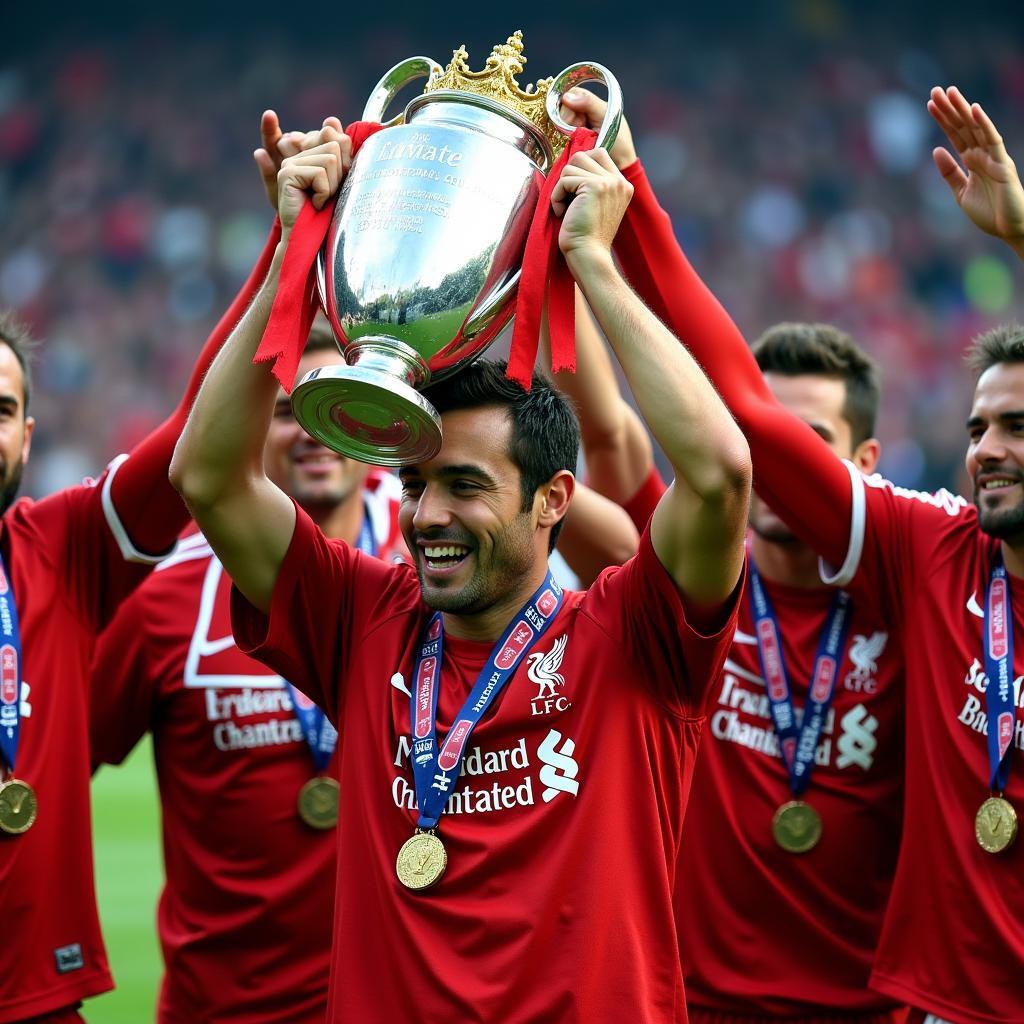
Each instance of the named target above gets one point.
<point>371,411</point>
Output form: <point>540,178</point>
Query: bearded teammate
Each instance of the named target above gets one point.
<point>68,561</point>
<point>555,902</point>
<point>936,567</point>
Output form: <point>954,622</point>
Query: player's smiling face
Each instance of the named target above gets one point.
<point>462,516</point>
<point>995,450</point>
<point>316,477</point>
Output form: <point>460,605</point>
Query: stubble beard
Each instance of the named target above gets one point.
<point>511,561</point>
<point>10,488</point>
<point>1005,524</point>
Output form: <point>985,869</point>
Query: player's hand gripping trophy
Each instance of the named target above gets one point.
<point>420,268</point>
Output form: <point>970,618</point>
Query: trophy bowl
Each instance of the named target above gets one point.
<point>420,268</point>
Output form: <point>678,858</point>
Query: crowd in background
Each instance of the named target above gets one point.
<point>798,174</point>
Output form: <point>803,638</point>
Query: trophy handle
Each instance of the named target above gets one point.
<point>577,74</point>
<point>392,83</point>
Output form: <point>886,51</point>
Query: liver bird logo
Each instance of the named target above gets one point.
<point>543,668</point>
<point>865,652</point>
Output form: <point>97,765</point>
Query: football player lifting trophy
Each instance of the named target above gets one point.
<point>420,268</point>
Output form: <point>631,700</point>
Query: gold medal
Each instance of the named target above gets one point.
<point>421,860</point>
<point>318,802</point>
<point>796,827</point>
<point>18,806</point>
<point>995,825</point>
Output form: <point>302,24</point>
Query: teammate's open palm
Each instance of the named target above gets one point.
<point>989,191</point>
<point>314,174</point>
<point>591,197</point>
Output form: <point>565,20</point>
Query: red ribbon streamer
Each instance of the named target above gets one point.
<point>295,304</point>
<point>545,267</point>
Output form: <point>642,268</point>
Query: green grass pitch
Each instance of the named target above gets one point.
<point>129,873</point>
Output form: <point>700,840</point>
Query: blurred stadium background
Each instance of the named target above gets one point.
<point>788,139</point>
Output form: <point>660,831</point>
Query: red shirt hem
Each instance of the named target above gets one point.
<point>56,998</point>
<point>928,1002</point>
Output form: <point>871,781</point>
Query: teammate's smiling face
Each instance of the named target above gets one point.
<point>316,477</point>
<point>819,401</point>
<point>15,426</point>
<point>995,450</point>
<point>463,519</point>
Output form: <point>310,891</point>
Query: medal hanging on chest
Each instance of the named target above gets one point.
<point>422,859</point>
<point>320,797</point>
<point>995,824</point>
<point>796,825</point>
<point>18,803</point>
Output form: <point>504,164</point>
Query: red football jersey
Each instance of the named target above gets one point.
<point>776,934</point>
<point>563,833</point>
<point>245,916</point>
<point>926,564</point>
<point>68,573</point>
<point>953,938</point>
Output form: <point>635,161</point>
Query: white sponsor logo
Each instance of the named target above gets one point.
<point>857,743</point>
<point>543,670</point>
<point>973,607</point>
<point>560,767</point>
<point>864,654</point>
<point>974,713</point>
<point>25,707</point>
<point>398,682</point>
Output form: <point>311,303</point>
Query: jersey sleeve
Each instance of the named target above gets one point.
<point>794,470</point>
<point>328,598</point>
<point>123,685</point>
<point>640,608</point>
<point>149,511</point>
<point>76,531</point>
<point>894,533</point>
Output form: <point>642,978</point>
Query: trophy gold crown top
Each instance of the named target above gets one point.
<point>498,81</point>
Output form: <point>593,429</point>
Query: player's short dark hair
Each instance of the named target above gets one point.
<point>826,351</point>
<point>16,337</point>
<point>545,432</point>
<point>1003,344</point>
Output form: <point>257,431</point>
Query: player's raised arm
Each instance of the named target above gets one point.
<point>697,529</point>
<point>987,187</point>
<point>218,464</point>
<point>786,452</point>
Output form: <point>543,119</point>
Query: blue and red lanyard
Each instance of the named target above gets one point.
<point>999,696</point>
<point>798,743</point>
<point>321,736</point>
<point>10,672</point>
<point>435,772</point>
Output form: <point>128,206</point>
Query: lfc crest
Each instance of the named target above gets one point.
<point>543,670</point>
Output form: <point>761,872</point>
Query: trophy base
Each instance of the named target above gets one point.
<point>367,415</point>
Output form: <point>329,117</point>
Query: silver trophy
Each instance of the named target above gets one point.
<point>419,271</point>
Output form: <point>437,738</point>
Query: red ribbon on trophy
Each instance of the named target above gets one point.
<point>295,304</point>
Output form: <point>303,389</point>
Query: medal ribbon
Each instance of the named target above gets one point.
<point>10,671</point>
<point>999,697</point>
<point>798,744</point>
<point>436,772</point>
<point>321,736</point>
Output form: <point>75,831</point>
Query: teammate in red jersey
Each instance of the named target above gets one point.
<point>749,877</point>
<point>952,944</point>
<point>68,561</point>
<point>561,810</point>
